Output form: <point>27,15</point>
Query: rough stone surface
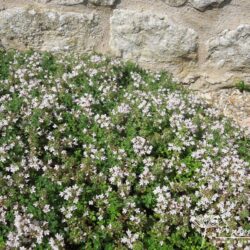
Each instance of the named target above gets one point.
<point>231,49</point>
<point>200,5</point>
<point>48,30</point>
<point>175,3</point>
<point>152,38</point>
<point>232,103</point>
<point>197,4</point>
<point>103,2</point>
<point>75,2</point>
<point>42,1</point>
<point>204,4</point>
<point>67,2</point>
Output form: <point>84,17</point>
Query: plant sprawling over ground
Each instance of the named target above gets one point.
<point>100,154</point>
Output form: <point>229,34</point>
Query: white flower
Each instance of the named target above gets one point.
<point>46,208</point>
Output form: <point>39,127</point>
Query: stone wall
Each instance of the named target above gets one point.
<point>204,43</point>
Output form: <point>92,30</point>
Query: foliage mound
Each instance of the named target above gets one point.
<point>96,153</point>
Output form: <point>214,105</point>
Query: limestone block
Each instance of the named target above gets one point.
<point>44,29</point>
<point>75,2</point>
<point>148,37</point>
<point>103,2</point>
<point>67,2</point>
<point>204,4</point>
<point>231,49</point>
<point>175,3</point>
<point>42,1</point>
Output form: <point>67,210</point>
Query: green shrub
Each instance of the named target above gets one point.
<point>96,153</point>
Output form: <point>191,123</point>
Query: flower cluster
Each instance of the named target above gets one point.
<point>141,146</point>
<point>96,153</point>
<point>26,229</point>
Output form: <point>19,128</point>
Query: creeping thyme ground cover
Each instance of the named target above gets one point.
<point>96,153</point>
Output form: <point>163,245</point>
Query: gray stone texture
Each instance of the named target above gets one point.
<point>103,2</point>
<point>67,2</point>
<point>76,2</point>
<point>23,28</point>
<point>149,37</point>
<point>204,4</point>
<point>175,3</point>
<point>231,49</point>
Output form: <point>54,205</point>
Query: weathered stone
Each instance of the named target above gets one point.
<point>49,30</point>
<point>75,2</point>
<point>42,1</point>
<point>67,2</point>
<point>204,4</point>
<point>103,2</point>
<point>152,38</point>
<point>175,3</point>
<point>231,49</point>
